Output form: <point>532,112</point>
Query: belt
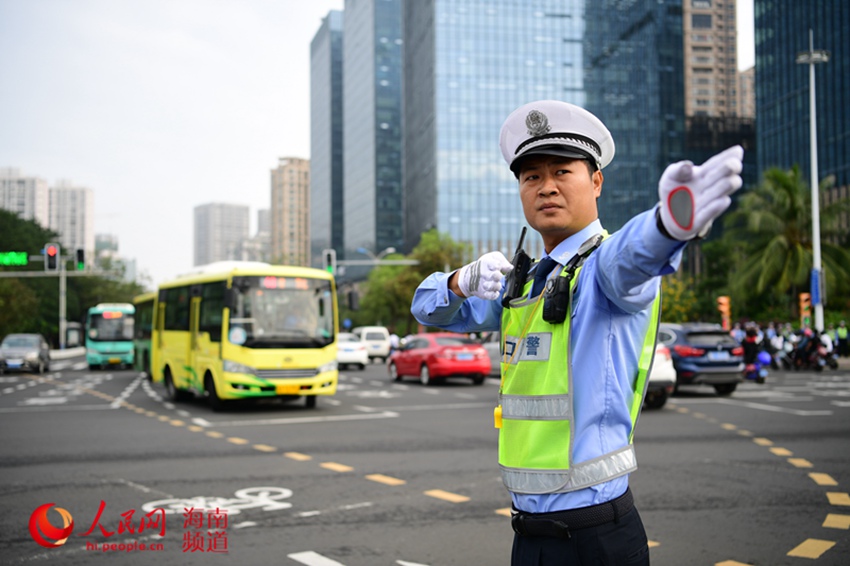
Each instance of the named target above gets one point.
<point>558,524</point>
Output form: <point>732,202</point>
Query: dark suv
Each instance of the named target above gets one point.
<point>704,354</point>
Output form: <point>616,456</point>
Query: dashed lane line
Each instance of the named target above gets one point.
<point>836,521</point>
<point>386,480</point>
<point>811,548</point>
<point>822,479</point>
<point>447,496</point>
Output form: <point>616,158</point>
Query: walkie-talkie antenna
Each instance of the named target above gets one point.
<point>516,279</point>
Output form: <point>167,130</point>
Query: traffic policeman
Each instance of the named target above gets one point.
<point>577,329</point>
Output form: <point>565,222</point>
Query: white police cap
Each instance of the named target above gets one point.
<point>553,127</point>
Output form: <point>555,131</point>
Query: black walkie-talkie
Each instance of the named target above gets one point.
<point>516,279</point>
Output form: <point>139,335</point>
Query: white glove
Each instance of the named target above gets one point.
<point>693,196</point>
<point>483,278</point>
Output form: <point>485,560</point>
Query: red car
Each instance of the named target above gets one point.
<point>436,356</point>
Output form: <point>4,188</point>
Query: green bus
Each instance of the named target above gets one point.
<point>142,330</point>
<point>109,335</point>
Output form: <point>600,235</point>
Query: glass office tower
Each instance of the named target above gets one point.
<point>469,64</point>
<point>782,85</point>
<point>326,165</point>
<point>372,125</point>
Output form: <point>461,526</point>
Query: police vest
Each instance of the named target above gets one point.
<point>535,415</point>
<point>841,333</point>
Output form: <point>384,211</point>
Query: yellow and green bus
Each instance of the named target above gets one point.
<point>246,330</point>
<point>142,332</point>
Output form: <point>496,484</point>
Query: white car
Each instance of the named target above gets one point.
<point>351,351</point>
<point>662,378</point>
<point>376,339</point>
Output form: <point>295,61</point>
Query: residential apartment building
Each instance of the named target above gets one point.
<point>219,232</point>
<point>71,212</point>
<point>27,195</point>
<point>290,212</point>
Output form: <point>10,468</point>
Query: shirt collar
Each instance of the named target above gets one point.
<point>569,247</point>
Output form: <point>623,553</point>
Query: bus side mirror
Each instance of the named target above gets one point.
<point>353,301</point>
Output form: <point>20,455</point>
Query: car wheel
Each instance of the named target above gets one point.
<point>478,379</point>
<point>425,375</point>
<point>394,372</point>
<point>655,399</point>
<point>725,388</point>
<point>310,401</point>
<point>217,404</point>
<point>361,367</point>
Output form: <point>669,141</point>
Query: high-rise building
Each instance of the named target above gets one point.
<point>372,124</point>
<point>710,59</point>
<point>290,212</point>
<point>747,93</point>
<point>782,86</point>
<point>72,215</point>
<point>327,219</point>
<point>26,195</point>
<point>220,230</point>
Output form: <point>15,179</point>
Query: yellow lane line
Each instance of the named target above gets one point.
<point>164,418</point>
<point>446,496</point>
<point>728,426</point>
<point>699,415</point>
<point>214,434</point>
<point>730,563</point>
<point>336,467</point>
<point>682,410</point>
<point>781,451</point>
<point>836,521</point>
<point>745,433</point>
<point>176,422</point>
<point>653,543</point>
<point>811,548</point>
<point>388,480</point>
<point>822,479</point>
<point>264,448</point>
<point>838,498</point>
<point>800,463</point>
<point>237,440</point>
<point>506,511</point>
<point>298,456</point>
<point>763,441</point>
<point>196,428</point>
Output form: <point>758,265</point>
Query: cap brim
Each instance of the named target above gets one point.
<point>556,150</point>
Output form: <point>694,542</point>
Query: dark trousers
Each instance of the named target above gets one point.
<point>618,543</point>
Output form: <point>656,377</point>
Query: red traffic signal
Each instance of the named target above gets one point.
<point>51,257</point>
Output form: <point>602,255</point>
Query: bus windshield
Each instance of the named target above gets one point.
<point>281,312</point>
<point>110,326</point>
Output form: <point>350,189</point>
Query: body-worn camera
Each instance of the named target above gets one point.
<point>557,296</point>
<point>516,279</point>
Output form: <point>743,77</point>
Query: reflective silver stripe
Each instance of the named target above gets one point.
<point>579,476</point>
<point>537,407</point>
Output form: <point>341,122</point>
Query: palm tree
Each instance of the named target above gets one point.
<point>773,225</point>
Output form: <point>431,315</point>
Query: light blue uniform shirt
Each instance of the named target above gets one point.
<point>616,288</point>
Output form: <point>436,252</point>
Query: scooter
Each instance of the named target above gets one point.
<point>757,371</point>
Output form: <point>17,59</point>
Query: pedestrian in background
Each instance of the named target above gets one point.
<point>578,336</point>
<point>841,340</point>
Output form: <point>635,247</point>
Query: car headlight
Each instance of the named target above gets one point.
<point>330,366</point>
<point>235,367</point>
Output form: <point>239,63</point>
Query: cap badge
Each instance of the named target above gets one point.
<point>537,123</point>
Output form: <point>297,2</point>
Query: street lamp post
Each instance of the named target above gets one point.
<point>383,253</point>
<point>811,58</point>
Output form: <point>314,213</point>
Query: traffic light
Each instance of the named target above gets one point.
<point>329,260</point>
<point>81,259</point>
<point>805,309</point>
<point>51,257</point>
<point>724,305</point>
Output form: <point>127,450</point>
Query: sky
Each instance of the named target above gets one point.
<point>159,106</point>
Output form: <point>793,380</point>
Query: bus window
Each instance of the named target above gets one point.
<point>272,312</point>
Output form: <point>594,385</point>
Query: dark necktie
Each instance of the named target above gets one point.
<point>544,268</point>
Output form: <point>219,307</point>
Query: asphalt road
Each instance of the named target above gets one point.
<point>398,474</point>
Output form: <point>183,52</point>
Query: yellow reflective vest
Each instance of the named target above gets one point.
<point>535,415</point>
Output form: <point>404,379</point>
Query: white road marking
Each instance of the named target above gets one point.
<point>761,407</point>
<point>311,558</point>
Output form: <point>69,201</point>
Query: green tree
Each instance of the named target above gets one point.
<point>772,230</point>
<point>678,299</point>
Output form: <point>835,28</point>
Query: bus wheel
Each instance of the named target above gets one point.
<point>174,394</point>
<point>310,401</point>
<point>216,402</point>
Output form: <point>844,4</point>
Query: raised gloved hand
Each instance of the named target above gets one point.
<point>693,196</point>
<point>483,277</point>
